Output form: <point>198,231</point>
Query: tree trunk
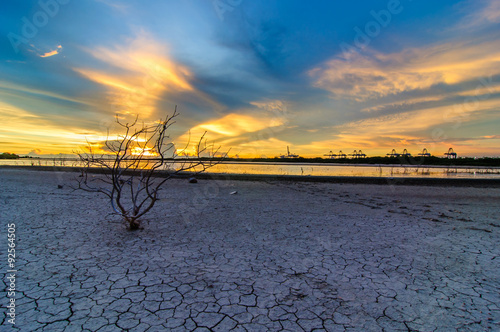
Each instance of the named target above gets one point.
<point>134,224</point>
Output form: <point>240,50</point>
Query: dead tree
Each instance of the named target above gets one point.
<point>138,164</point>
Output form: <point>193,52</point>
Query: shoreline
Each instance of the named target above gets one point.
<point>391,181</point>
<point>294,163</point>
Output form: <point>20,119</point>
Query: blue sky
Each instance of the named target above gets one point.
<point>256,75</point>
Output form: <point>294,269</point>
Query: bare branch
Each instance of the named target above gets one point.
<point>130,169</point>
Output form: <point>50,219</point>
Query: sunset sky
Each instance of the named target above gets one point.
<point>257,75</point>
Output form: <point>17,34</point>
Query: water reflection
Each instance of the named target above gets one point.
<point>303,169</point>
<point>306,169</point>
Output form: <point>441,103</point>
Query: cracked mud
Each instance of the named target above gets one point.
<point>276,256</point>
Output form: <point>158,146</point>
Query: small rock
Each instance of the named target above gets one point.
<point>59,186</point>
<point>193,180</point>
<point>233,193</point>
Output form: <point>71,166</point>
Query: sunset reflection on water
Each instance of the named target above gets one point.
<point>303,169</point>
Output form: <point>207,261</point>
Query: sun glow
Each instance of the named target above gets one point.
<point>144,152</point>
<point>143,73</point>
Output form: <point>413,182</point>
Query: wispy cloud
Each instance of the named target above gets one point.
<point>23,91</point>
<point>435,68</point>
<point>433,127</point>
<point>491,12</point>
<point>229,129</point>
<point>374,74</point>
<point>116,5</point>
<point>54,138</point>
<point>263,148</point>
<point>480,13</point>
<point>401,105</point>
<point>139,75</point>
<point>51,53</point>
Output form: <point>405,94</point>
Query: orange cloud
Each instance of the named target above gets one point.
<point>51,53</point>
<point>412,130</point>
<point>27,130</point>
<point>264,148</point>
<point>140,73</point>
<point>373,74</point>
<point>227,130</point>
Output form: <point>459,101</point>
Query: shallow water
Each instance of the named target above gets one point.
<point>311,169</point>
<point>308,169</point>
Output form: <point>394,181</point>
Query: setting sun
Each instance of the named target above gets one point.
<point>145,152</point>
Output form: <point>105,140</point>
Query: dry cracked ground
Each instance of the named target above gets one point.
<point>275,256</point>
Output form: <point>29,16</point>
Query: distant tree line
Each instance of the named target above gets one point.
<point>7,155</point>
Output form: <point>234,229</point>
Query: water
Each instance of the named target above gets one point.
<point>308,169</point>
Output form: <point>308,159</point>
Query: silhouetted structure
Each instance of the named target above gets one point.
<point>451,154</point>
<point>358,154</point>
<point>288,154</point>
<point>340,155</point>
<point>405,153</point>
<point>424,153</point>
<point>393,153</point>
<point>330,155</point>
